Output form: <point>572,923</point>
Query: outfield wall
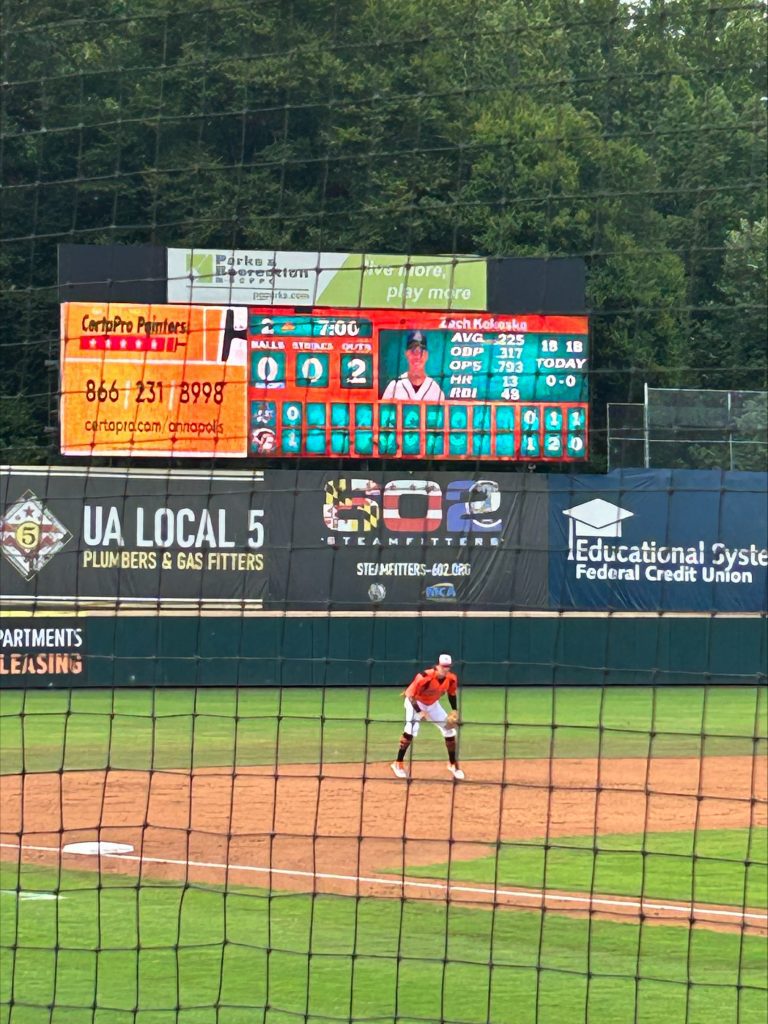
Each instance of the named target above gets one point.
<point>380,649</point>
<point>115,577</point>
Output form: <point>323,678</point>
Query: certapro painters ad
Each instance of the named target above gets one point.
<point>659,540</point>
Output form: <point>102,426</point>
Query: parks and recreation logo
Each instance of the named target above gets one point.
<point>30,535</point>
<point>597,551</point>
<point>227,267</point>
<point>252,276</point>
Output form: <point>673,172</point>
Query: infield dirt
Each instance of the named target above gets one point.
<point>308,822</point>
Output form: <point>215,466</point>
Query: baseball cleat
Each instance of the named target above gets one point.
<point>398,770</point>
<point>457,773</point>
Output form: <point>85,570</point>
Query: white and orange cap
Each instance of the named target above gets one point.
<point>445,660</point>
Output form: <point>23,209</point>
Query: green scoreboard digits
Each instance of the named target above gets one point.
<point>410,384</point>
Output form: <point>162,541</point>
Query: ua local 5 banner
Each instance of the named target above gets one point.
<point>152,380</point>
<point>149,539</point>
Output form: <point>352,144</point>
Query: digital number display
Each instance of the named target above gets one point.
<point>418,385</point>
<point>152,380</point>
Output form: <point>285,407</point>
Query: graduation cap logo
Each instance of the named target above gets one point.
<point>596,518</point>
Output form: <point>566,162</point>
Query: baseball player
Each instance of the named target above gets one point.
<point>422,701</point>
<point>414,385</point>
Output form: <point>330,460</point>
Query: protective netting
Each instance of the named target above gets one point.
<point>692,428</point>
<point>604,857</point>
<point>629,134</point>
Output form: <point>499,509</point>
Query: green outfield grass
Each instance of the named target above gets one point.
<point>54,729</point>
<point>118,950</point>
<point>727,866</point>
<point>334,957</point>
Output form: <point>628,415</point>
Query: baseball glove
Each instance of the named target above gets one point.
<point>453,719</point>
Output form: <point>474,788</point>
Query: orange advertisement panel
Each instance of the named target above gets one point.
<point>153,380</point>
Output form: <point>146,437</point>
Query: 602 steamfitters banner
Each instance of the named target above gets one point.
<point>430,541</point>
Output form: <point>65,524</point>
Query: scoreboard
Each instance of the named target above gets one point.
<point>338,382</point>
<point>302,382</point>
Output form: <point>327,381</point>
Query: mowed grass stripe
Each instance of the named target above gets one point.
<point>314,958</point>
<point>142,729</point>
<point>723,866</point>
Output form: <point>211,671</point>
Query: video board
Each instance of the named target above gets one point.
<point>311,383</point>
<point>389,383</point>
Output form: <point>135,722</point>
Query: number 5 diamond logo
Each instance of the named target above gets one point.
<point>30,535</point>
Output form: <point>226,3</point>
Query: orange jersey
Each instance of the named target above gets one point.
<point>427,688</point>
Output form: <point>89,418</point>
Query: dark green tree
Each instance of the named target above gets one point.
<point>630,134</point>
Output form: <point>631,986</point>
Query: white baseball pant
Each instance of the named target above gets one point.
<point>436,714</point>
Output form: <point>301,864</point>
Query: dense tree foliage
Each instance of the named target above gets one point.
<point>632,134</point>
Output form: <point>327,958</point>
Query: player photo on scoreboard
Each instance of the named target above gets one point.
<point>418,381</point>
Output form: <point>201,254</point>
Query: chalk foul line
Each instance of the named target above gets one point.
<point>539,895</point>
